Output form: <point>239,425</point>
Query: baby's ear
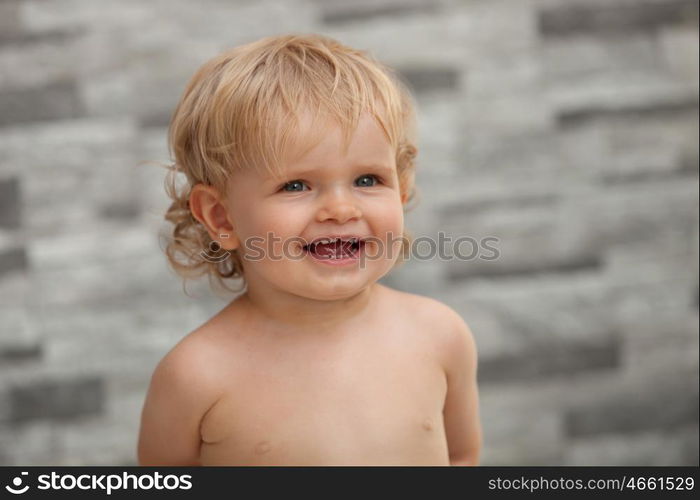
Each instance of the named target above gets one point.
<point>226,236</point>
<point>208,208</point>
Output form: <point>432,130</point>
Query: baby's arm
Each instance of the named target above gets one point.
<point>461,410</point>
<point>172,412</point>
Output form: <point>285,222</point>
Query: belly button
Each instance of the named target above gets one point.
<point>427,424</point>
<point>262,447</point>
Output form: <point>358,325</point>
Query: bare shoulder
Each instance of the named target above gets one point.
<point>187,367</point>
<point>208,348</point>
<point>195,363</point>
<point>442,324</point>
<point>205,342</point>
<point>182,389</point>
<point>427,309</point>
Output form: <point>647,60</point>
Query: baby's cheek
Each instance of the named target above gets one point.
<point>266,222</point>
<point>391,228</point>
<point>392,219</point>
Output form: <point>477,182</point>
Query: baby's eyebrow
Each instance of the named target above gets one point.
<point>386,170</point>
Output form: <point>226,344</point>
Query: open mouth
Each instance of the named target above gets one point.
<point>335,249</point>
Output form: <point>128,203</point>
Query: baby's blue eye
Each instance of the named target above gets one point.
<point>369,176</point>
<point>298,186</point>
<point>295,184</point>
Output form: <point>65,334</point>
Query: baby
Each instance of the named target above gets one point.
<point>298,153</point>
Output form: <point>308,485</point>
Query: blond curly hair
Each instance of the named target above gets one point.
<point>240,110</point>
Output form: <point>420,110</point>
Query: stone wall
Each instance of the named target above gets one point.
<point>567,129</point>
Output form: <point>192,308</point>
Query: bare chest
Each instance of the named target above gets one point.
<point>375,401</point>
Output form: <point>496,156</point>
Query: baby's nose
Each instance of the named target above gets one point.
<point>340,206</point>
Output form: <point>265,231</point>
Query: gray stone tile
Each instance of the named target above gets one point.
<point>52,102</point>
<point>521,425</point>
<point>120,211</point>
<point>551,359</point>
<point>507,114</point>
<point>577,117</point>
<point>19,353</point>
<point>577,18</point>
<point>665,406</point>
<point>57,399</point>
<point>520,156</point>
<point>677,447</point>
<point>513,241</point>
<point>688,164</point>
<point>640,213</point>
<point>581,263</point>
<point>10,203</point>
<point>13,260</point>
<point>31,444</point>
<point>156,119</point>
<point>9,19</point>
<point>11,40</point>
<point>512,201</point>
<point>426,79</point>
<point>71,171</point>
<point>679,48</point>
<point>532,439</point>
<point>656,338</point>
<point>571,58</point>
<point>15,288</point>
<point>645,176</point>
<point>336,12</point>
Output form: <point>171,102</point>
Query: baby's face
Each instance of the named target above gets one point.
<point>322,194</point>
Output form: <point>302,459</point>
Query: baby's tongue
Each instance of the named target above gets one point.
<point>329,249</point>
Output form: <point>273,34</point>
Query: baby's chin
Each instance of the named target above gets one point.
<point>329,291</point>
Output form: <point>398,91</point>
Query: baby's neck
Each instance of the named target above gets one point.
<point>294,313</point>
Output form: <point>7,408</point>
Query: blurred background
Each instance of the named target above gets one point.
<point>568,129</point>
